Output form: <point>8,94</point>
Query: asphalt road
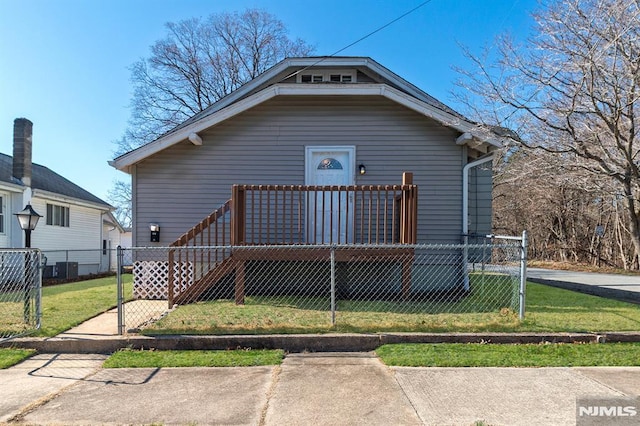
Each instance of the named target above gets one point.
<point>615,286</point>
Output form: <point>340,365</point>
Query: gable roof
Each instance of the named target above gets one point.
<point>44,179</point>
<point>272,83</point>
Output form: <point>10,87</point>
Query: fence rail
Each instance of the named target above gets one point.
<point>71,264</point>
<point>20,292</point>
<point>343,282</point>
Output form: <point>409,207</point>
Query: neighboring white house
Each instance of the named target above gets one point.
<point>76,229</point>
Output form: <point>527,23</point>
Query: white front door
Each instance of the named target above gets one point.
<point>330,215</point>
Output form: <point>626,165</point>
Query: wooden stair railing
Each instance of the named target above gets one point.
<point>214,230</point>
<point>277,215</point>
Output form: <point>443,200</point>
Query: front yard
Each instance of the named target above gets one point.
<point>548,309</point>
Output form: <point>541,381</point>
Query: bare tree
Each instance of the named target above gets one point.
<point>572,90</point>
<point>120,197</point>
<point>197,63</point>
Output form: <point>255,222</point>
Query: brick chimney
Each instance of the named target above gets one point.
<point>22,140</point>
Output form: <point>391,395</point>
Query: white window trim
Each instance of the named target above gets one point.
<point>4,208</point>
<point>309,150</point>
<point>68,218</point>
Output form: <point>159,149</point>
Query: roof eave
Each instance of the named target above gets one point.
<point>53,196</point>
<point>126,161</point>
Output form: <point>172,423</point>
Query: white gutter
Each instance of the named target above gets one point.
<point>465,191</point>
<point>465,212</point>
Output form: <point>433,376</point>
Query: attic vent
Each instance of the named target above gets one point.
<point>329,76</point>
<point>311,78</point>
<point>340,78</point>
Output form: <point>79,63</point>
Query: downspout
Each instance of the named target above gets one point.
<point>465,213</point>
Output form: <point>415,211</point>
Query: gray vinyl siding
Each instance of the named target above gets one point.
<point>179,186</point>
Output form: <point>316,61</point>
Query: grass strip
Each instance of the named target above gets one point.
<point>498,355</point>
<point>159,359</point>
<point>10,357</point>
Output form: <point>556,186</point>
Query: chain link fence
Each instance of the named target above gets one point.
<point>20,292</point>
<point>67,265</point>
<point>228,289</point>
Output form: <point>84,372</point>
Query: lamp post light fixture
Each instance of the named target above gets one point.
<point>28,219</point>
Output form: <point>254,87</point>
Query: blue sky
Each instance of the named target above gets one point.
<point>65,63</point>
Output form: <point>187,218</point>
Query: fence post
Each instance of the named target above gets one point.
<point>27,284</point>
<point>38,295</point>
<point>119,264</point>
<point>171,280</point>
<point>523,273</point>
<point>333,284</point>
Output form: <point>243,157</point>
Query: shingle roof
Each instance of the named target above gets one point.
<point>47,180</point>
<point>324,61</point>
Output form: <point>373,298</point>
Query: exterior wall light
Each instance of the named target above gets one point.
<point>362,169</point>
<point>155,232</point>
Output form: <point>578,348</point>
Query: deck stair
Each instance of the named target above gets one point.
<point>263,216</point>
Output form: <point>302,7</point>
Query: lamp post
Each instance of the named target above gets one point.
<point>28,219</point>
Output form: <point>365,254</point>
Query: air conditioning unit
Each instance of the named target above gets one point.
<point>67,270</point>
<point>50,271</point>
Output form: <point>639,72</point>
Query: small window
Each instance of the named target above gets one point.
<point>330,164</point>
<point>104,247</point>
<point>311,78</point>
<point>1,215</point>
<point>328,76</point>
<point>57,215</point>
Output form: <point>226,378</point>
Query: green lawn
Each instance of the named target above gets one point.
<point>161,359</point>
<point>494,355</point>
<point>67,305</point>
<point>408,355</point>
<point>9,357</point>
<point>64,306</point>
<point>555,309</point>
<point>549,309</point>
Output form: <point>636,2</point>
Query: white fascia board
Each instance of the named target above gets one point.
<point>12,187</point>
<point>463,126</point>
<point>125,162</point>
<point>52,196</point>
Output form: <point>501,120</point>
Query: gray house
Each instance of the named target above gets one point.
<point>314,151</point>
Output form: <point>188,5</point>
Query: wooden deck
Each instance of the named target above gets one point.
<point>260,220</point>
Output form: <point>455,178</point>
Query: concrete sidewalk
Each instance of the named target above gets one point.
<point>320,389</point>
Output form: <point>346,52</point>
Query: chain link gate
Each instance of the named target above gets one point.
<point>334,284</point>
<point>20,292</point>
